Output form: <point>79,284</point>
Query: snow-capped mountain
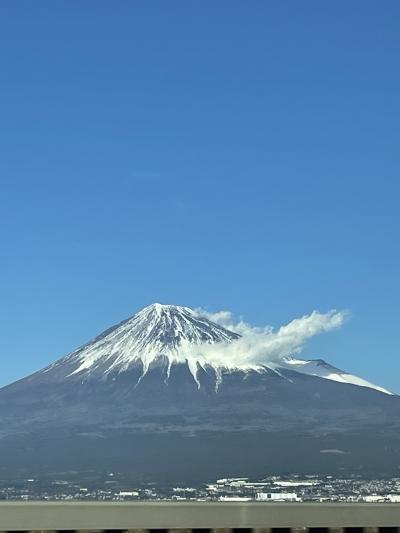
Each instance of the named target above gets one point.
<point>161,395</point>
<point>157,333</point>
<point>168,335</point>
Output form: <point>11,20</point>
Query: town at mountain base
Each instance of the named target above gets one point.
<point>140,397</point>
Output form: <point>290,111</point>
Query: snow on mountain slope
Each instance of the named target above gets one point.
<point>168,335</point>
<point>318,367</point>
<point>157,330</point>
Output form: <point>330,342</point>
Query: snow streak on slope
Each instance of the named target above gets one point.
<point>168,335</point>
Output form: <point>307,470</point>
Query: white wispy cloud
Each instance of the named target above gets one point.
<point>259,345</point>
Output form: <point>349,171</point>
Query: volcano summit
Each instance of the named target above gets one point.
<point>171,394</point>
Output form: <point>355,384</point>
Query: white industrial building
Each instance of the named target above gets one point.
<point>277,497</point>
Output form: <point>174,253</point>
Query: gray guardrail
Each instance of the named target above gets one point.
<point>78,516</point>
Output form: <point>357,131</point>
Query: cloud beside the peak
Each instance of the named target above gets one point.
<point>259,345</point>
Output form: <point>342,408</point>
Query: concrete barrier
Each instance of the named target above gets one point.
<point>178,516</point>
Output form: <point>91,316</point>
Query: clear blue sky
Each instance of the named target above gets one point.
<point>230,154</point>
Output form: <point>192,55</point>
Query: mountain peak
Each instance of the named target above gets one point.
<point>164,328</point>
<point>156,330</point>
<point>157,306</point>
<point>159,309</point>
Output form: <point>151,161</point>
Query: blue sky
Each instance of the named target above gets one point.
<point>230,155</point>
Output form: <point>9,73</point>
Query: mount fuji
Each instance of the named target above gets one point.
<point>158,395</point>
